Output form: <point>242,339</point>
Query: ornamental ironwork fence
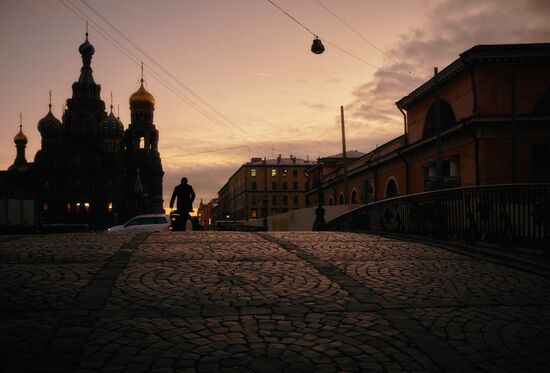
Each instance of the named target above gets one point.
<point>507,215</point>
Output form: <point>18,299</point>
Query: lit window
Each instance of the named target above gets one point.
<point>78,207</point>
<point>285,172</point>
<point>253,172</point>
<point>46,207</point>
<point>68,207</point>
<point>273,172</point>
<point>254,213</point>
<point>110,207</point>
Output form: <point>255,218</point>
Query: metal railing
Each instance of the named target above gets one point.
<point>507,215</point>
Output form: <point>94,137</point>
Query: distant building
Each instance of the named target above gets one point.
<point>494,120</point>
<point>205,214</point>
<point>276,185</point>
<point>323,169</point>
<point>89,169</point>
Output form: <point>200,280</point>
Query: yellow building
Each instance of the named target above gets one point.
<point>264,187</point>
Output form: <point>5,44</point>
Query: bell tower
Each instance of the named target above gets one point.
<point>142,150</point>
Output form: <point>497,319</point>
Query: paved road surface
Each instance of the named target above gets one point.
<point>245,302</point>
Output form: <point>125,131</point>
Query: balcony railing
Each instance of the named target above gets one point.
<point>507,215</point>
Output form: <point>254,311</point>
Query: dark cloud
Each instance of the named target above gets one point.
<point>451,27</point>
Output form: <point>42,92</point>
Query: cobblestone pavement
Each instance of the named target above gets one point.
<point>263,302</point>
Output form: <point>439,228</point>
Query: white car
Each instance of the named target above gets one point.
<point>144,223</point>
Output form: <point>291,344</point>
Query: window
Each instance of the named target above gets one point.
<point>285,185</point>
<point>330,201</point>
<point>341,199</point>
<point>294,185</point>
<point>273,200</point>
<point>447,118</point>
<point>110,207</point>
<point>354,197</point>
<point>253,185</point>
<point>391,188</point>
<point>253,172</point>
<point>46,207</point>
<point>285,172</point>
<point>254,213</point>
<point>254,200</point>
<point>295,200</point>
<point>274,185</point>
<point>274,212</point>
<point>294,173</point>
<point>285,200</point>
<point>273,172</point>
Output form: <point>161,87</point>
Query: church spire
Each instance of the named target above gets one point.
<point>86,86</point>
<point>20,141</point>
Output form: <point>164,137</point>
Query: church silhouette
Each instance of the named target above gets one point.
<point>89,170</point>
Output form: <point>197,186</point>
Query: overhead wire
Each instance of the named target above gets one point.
<point>354,30</point>
<point>353,55</point>
<point>156,63</point>
<point>106,35</point>
<point>207,151</point>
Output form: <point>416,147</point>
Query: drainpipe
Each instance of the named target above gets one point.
<point>513,127</point>
<point>472,133</point>
<point>474,86</point>
<point>404,125</point>
<point>400,156</point>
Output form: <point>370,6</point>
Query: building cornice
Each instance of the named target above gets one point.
<point>505,53</point>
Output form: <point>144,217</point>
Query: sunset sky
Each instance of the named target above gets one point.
<point>248,65</point>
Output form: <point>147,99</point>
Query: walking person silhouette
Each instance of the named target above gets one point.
<point>185,196</point>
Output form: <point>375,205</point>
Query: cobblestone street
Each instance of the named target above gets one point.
<point>264,302</point>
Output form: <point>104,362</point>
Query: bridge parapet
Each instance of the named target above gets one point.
<point>507,215</point>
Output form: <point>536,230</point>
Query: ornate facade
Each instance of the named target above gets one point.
<point>90,170</point>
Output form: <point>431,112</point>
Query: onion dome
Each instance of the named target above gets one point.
<point>142,98</point>
<point>111,126</point>
<point>49,125</point>
<point>86,48</point>
<point>20,138</point>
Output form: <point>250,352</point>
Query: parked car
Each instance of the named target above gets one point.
<point>144,223</point>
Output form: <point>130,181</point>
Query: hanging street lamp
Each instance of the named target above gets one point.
<point>317,47</point>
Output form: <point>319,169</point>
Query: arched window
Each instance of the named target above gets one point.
<point>354,200</point>
<point>369,192</point>
<point>446,115</point>
<point>341,199</point>
<point>330,201</point>
<point>391,188</point>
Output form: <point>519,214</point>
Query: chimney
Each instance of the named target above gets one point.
<point>279,159</point>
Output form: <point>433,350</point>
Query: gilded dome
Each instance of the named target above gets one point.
<point>20,138</point>
<point>142,97</point>
<point>111,126</point>
<point>49,125</point>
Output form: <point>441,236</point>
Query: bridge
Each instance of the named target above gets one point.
<point>265,302</point>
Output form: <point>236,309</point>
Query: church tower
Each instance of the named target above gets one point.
<point>144,164</point>
<point>20,140</point>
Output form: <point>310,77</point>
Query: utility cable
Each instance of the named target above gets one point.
<point>106,35</point>
<point>354,30</point>
<point>207,151</point>
<point>194,94</point>
<point>291,17</point>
